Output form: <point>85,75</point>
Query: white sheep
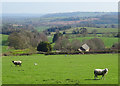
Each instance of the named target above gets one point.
<point>100,72</point>
<point>17,63</point>
<point>35,63</point>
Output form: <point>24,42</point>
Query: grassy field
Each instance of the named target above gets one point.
<point>99,30</point>
<point>3,43</point>
<point>42,28</point>
<point>59,69</point>
<point>50,38</point>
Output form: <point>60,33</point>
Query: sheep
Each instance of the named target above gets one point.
<point>17,63</point>
<point>35,63</point>
<point>100,72</point>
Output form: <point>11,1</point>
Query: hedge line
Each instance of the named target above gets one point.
<point>90,52</point>
<point>12,54</point>
<point>58,53</point>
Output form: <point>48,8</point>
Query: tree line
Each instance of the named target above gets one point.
<point>54,28</point>
<point>25,39</point>
<point>10,28</point>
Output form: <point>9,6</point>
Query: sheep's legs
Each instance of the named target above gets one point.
<point>102,77</point>
<point>95,76</point>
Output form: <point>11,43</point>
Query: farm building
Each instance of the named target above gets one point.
<point>84,47</point>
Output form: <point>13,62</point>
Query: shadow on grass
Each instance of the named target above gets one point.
<point>92,79</point>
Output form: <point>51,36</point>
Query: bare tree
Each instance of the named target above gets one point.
<point>76,44</point>
<point>84,31</point>
<point>94,32</point>
<point>95,44</point>
<point>62,44</point>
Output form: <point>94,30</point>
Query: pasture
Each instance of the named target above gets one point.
<point>3,43</point>
<point>59,69</point>
<point>99,30</point>
<point>42,28</point>
<point>108,41</point>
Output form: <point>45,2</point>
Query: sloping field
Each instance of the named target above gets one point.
<point>59,69</point>
<point>108,41</point>
<point>3,39</point>
<point>99,30</point>
<point>3,43</point>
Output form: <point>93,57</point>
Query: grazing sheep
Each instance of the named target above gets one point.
<point>17,63</point>
<point>35,63</point>
<point>100,72</point>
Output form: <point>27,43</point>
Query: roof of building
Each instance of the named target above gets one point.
<point>85,46</point>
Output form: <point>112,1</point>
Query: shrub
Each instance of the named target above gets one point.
<point>44,47</point>
<point>76,44</point>
<point>56,36</point>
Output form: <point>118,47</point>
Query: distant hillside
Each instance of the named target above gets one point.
<point>78,14</point>
<point>73,19</point>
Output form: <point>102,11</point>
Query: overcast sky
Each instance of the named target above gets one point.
<point>57,7</point>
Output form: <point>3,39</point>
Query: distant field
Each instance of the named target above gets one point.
<point>3,43</point>
<point>108,41</point>
<point>99,30</point>
<point>50,38</point>
<point>40,29</point>
<point>4,39</point>
<point>59,69</point>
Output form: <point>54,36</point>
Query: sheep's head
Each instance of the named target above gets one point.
<point>106,69</point>
<point>13,61</point>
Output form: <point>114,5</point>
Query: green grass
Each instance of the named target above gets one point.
<point>4,44</point>
<point>4,39</point>
<point>50,38</point>
<point>6,49</point>
<point>59,69</point>
<point>42,28</point>
<point>102,30</point>
<point>108,41</point>
<point>90,29</point>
